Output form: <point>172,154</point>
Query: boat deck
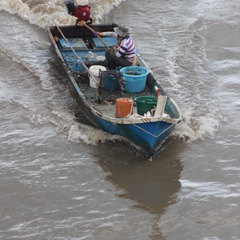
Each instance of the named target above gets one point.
<point>104,97</point>
<point>105,101</point>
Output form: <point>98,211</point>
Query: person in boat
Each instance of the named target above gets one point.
<point>80,11</point>
<point>123,54</point>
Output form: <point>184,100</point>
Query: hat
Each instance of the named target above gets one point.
<point>122,30</point>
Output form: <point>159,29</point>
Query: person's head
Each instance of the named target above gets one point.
<point>122,30</point>
<point>70,6</point>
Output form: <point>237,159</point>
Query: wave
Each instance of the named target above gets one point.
<point>44,13</point>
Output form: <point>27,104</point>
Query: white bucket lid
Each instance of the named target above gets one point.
<point>82,2</point>
<point>95,69</point>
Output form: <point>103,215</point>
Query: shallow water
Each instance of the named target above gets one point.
<point>61,179</point>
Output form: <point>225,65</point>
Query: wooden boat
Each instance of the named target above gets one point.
<point>145,116</point>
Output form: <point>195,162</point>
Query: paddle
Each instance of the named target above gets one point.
<point>83,23</point>
<point>161,102</point>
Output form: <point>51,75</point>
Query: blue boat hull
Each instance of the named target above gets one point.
<point>146,135</point>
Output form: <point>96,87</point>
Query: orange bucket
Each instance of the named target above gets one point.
<point>124,106</point>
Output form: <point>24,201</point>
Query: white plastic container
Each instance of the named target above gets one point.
<point>94,70</point>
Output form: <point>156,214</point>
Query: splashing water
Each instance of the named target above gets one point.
<point>44,13</point>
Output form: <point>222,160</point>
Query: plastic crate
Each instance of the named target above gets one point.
<point>111,80</point>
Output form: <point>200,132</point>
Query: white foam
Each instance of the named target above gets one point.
<point>45,13</point>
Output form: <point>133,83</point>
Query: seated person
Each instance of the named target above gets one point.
<point>123,54</point>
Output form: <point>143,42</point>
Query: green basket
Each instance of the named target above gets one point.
<point>145,104</point>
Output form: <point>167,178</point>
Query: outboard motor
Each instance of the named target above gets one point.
<point>81,11</point>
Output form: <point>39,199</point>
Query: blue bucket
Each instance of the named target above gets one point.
<point>134,78</point>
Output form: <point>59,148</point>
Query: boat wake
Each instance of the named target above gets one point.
<point>44,13</point>
<point>186,78</point>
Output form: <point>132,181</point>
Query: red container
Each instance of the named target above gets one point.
<point>124,106</point>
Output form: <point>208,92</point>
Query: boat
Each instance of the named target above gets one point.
<point>128,101</point>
